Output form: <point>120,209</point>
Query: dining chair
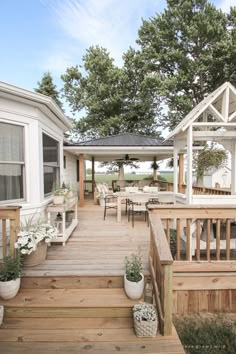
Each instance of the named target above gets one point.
<point>137,204</point>
<point>110,203</point>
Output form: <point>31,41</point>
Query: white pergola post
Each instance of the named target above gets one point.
<point>233,168</point>
<point>175,167</point>
<point>189,164</point>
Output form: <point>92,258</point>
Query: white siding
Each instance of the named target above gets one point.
<point>70,172</point>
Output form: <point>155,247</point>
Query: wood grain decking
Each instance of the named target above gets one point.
<point>96,247</point>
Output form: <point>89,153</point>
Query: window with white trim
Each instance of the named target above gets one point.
<point>51,164</point>
<point>12,162</point>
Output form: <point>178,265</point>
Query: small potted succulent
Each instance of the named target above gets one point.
<point>58,194</point>
<point>145,320</point>
<point>133,278</point>
<point>10,273</point>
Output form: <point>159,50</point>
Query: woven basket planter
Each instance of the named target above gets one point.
<point>36,257</point>
<point>145,328</point>
<point>142,326</point>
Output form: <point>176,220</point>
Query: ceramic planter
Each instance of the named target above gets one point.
<point>58,199</point>
<point>134,290</point>
<point>36,257</point>
<point>9,289</point>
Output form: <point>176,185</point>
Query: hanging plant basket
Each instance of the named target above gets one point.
<point>36,257</point>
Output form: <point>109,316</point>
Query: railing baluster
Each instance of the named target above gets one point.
<point>198,236</point>
<point>218,223</point>
<point>228,226</point>
<point>178,230</point>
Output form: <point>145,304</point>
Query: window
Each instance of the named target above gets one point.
<point>51,165</point>
<point>11,162</point>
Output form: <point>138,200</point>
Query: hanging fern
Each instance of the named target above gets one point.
<point>209,158</point>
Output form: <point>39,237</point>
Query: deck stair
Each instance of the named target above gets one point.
<point>75,315</point>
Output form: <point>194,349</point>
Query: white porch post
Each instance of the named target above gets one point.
<point>189,164</point>
<point>233,168</point>
<point>175,167</point>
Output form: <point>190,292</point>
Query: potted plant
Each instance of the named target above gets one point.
<point>33,239</point>
<point>133,278</point>
<point>58,194</point>
<point>145,320</point>
<point>10,272</point>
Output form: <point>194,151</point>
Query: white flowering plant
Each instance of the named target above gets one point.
<point>144,312</point>
<point>32,233</point>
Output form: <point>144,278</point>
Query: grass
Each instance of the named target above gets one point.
<point>107,178</point>
<point>207,333</point>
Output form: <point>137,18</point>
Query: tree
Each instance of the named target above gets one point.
<point>189,48</point>
<point>47,87</point>
<point>114,100</point>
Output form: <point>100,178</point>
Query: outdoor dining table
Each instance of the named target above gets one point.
<point>128,195</point>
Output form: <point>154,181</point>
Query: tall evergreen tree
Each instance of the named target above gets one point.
<point>47,87</point>
<point>189,48</point>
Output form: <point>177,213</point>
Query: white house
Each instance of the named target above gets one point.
<point>31,149</point>
<point>216,178</point>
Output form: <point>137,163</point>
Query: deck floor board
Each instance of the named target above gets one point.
<point>97,246</point>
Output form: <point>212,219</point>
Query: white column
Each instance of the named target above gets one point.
<point>175,168</point>
<point>189,164</point>
<point>233,168</point>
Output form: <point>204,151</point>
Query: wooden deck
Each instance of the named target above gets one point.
<point>96,247</point>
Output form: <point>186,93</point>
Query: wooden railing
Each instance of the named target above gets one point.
<point>10,220</point>
<point>199,232</point>
<point>161,272</point>
<point>198,190</point>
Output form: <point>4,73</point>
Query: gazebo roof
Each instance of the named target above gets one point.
<point>125,139</point>
<point>116,147</point>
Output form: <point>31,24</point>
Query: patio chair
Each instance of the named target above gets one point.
<point>137,205</point>
<point>110,203</point>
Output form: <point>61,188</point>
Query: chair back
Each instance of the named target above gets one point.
<point>131,189</point>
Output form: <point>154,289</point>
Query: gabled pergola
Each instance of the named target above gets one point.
<point>116,147</point>
<point>217,110</point>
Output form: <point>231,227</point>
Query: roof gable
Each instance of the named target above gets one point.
<point>221,104</point>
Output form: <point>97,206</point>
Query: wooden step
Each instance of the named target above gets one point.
<point>109,302</point>
<point>167,346</point>
<point>72,282</point>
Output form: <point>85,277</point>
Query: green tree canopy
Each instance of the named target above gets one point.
<point>189,48</point>
<point>47,87</point>
<point>113,100</point>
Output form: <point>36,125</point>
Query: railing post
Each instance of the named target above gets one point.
<point>167,299</point>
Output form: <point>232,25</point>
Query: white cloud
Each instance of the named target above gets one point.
<point>112,24</point>
<point>226,4</point>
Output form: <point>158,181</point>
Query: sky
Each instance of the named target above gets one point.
<point>37,36</point>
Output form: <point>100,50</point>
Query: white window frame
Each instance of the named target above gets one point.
<point>23,164</point>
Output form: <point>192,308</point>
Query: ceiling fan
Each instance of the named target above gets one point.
<point>127,158</point>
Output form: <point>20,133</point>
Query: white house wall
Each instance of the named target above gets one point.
<point>70,172</point>
<point>35,123</point>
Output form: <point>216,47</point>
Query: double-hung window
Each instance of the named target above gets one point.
<point>51,165</point>
<point>11,162</point>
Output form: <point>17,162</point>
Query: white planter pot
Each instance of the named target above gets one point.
<point>102,202</point>
<point>9,289</point>
<point>58,199</point>
<point>134,290</point>
<point>1,313</point>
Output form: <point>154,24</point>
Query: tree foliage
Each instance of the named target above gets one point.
<point>189,48</point>
<point>113,100</point>
<point>47,87</point>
